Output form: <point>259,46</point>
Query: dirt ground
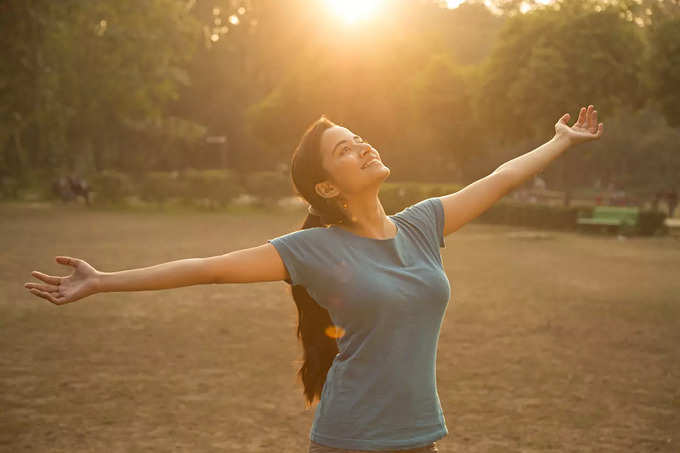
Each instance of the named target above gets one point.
<point>551,343</point>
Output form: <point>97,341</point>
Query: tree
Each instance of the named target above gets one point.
<point>664,68</point>
<point>92,77</point>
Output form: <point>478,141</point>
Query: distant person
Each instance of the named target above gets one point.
<point>598,200</point>
<point>672,200</point>
<point>657,199</point>
<point>62,189</point>
<point>370,288</point>
<point>619,198</point>
<point>68,188</point>
<point>80,187</point>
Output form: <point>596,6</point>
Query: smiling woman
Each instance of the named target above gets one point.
<point>353,10</point>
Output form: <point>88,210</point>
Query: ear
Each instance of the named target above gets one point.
<point>326,190</point>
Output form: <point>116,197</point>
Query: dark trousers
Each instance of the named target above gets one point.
<point>318,448</point>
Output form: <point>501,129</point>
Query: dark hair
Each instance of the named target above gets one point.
<point>314,322</point>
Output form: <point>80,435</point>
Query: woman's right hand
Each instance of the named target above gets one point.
<point>83,282</point>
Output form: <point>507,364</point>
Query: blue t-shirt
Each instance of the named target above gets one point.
<point>389,296</point>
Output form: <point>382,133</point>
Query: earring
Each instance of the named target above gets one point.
<point>344,204</point>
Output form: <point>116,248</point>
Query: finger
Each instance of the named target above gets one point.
<point>44,295</point>
<point>564,119</point>
<point>67,260</point>
<point>47,278</point>
<point>593,119</point>
<point>581,117</point>
<point>600,128</point>
<point>589,118</point>
<point>41,287</point>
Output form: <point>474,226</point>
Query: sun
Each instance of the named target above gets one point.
<point>354,10</point>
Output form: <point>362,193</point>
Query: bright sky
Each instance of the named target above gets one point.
<point>353,11</point>
<point>524,7</point>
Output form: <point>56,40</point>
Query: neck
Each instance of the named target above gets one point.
<point>367,217</point>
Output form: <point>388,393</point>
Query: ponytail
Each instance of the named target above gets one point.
<point>314,322</point>
<point>319,349</point>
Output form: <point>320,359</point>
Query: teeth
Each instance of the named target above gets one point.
<point>369,163</point>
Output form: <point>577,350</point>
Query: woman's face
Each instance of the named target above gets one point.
<point>353,164</point>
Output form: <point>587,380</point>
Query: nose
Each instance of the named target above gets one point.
<point>366,149</point>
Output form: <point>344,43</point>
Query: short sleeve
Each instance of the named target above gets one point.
<point>428,216</point>
<point>294,248</point>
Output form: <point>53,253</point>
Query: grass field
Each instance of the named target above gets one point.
<point>554,343</point>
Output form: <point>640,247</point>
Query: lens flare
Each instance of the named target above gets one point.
<point>334,331</point>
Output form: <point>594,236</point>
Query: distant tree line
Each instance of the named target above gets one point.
<point>443,94</point>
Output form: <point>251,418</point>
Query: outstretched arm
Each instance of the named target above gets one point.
<point>256,264</point>
<point>584,129</point>
<point>466,204</point>
<point>172,274</point>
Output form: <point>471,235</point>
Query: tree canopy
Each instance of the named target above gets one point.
<point>92,85</point>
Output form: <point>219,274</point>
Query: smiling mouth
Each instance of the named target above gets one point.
<point>369,163</point>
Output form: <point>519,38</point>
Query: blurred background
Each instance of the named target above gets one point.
<point>206,100</point>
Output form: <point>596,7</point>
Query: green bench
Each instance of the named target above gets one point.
<point>625,219</point>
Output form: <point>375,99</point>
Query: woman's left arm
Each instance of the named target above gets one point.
<point>466,204</point>
<point>585,129</point>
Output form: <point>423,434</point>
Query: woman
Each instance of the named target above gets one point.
<point>370,288</point>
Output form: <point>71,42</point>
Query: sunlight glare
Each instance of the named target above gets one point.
<point>453,4</point>
<point>335,332</point>
<point>353,10</point>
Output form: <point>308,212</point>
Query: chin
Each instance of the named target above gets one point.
<point>386,173</point>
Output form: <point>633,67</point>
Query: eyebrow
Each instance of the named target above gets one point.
<point>341,141</point>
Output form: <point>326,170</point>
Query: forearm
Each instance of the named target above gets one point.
<point>523,167</point>
<point>173,274</point>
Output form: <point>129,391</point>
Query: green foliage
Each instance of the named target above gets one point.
<point>9,188</point>
<point>639,152</point>
<point>268,185</point>
<point>88,72</point>
<point>158,186</point>
<point>531,215</point>
<point>651,222</point>
<point>114,84</point>
<point>553,60</point>
<point>440,92</point>
<point>217,185</point>
<point>396,196</point>
<point>664,65</point>
<point>563,218</point>
<point>112,186</point>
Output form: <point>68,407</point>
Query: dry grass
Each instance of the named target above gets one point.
<point>559,342</point>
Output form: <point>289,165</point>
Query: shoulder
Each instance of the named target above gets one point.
<point>427,209</point>
<point>302,252</point>
<point>308,238</point>
<point>427,217</point>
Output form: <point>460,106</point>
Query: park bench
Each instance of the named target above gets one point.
<point>623,218</point>
<point>673,225</point>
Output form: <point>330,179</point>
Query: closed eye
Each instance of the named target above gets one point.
<point>356,139</point>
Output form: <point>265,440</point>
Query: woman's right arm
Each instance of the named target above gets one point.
<point>255,264</point>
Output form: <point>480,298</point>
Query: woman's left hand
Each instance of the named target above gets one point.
<point>585,129</point>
